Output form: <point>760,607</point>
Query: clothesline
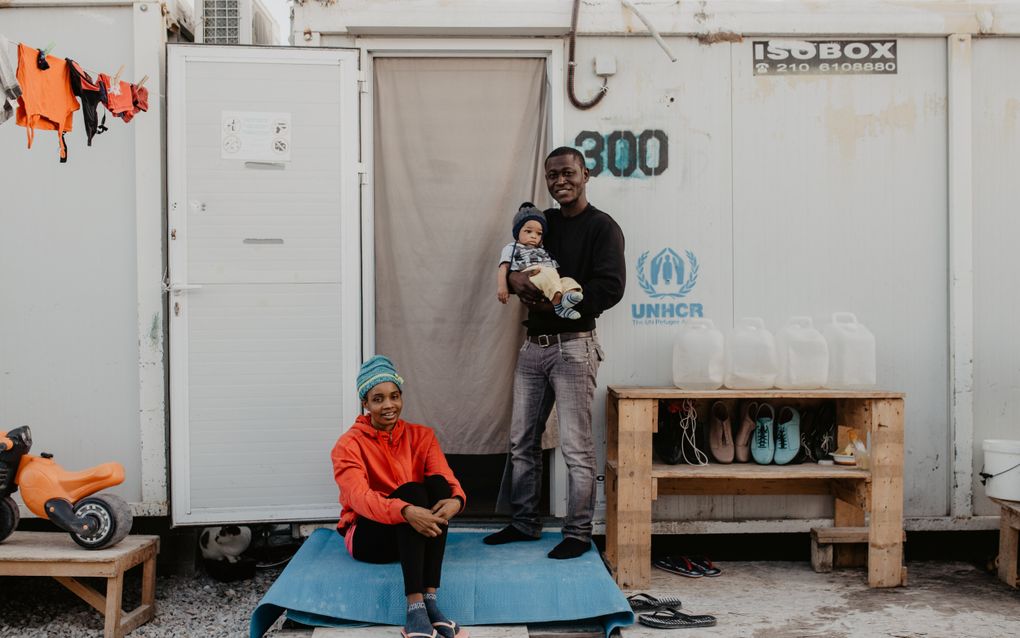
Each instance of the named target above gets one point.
<point>49,49</point>
<point>47,90</point>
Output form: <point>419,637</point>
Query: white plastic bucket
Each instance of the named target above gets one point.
<point>1002,464</point>
<point>699,356</point>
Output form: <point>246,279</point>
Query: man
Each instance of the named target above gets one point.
<point>560,358</point>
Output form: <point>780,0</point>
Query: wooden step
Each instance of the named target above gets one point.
<point>831,535</point>
<point>823,538</point>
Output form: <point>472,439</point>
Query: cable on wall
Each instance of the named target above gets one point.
<point>571,65</point>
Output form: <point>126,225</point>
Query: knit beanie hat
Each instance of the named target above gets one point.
<point>378,369</point>
<point>525,213</point>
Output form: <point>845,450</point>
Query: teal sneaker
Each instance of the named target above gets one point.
<point>763,447</point>
<point>787,435</point>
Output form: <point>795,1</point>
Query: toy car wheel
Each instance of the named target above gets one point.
<point>9,517</point>
<point>113,516</point>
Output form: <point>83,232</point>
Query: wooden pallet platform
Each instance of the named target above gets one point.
<point>55,554</point>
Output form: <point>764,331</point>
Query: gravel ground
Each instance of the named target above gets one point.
<point>185,606</point>
<point>942,600</point>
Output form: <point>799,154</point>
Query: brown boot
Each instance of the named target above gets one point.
<point>742,442</point>
<point>720,433</point>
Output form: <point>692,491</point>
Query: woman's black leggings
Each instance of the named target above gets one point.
<point>420,557</point>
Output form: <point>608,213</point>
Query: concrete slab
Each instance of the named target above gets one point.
<point>785,599</point>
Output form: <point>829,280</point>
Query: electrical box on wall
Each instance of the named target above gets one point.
<point>605,65</point>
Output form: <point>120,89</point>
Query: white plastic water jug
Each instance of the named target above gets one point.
<point>751,356</point>
<point>803,356</point>
<point>699,356</point>
<point>851,353</point>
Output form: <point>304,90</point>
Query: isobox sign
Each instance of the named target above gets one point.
<point>824,57</point>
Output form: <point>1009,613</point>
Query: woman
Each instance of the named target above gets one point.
<point>398,495</point>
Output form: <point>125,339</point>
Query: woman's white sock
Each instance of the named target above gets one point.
<point>418,619</point>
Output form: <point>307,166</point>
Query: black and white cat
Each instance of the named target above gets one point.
<point>225,543</point>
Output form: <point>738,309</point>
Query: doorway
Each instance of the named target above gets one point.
<point>457,145</point>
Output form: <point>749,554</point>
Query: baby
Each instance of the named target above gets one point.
<point>526,254</point>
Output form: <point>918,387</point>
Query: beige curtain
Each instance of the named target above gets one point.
<point>458,146</point>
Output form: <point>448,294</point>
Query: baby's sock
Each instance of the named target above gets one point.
<point>565,311</point>
<point>572,298</point>
<point>432,605</point>
<point>417,620</point>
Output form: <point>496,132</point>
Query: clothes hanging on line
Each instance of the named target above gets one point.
<point>139,103</point>
<point>118,95</point>
<point>10,90</point>
<point>47,90</point>
<point>90,93</point>
<point>46,101</point>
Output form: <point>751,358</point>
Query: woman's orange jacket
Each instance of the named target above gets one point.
<point>369,464</point>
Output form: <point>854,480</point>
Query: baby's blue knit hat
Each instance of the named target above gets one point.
<point>378,369</point>
<point>524,214</point>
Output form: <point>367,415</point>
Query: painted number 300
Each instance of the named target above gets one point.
<point>625,153</point>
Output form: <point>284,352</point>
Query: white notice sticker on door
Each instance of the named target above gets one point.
<point>250,135</point>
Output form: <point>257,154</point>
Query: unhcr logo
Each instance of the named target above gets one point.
<point>666,276</point>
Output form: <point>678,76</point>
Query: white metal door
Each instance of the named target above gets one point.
<point>264,275</point>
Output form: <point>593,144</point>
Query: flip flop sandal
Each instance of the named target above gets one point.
<point>707,567</point>
<point>675,619</point>
<point>458,631</point>
<point>417,634</point>
<point>679,565</point>
<point>647,602</point>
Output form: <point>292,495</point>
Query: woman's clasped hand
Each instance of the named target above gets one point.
<point>430,523</point>
<point>424,521</point>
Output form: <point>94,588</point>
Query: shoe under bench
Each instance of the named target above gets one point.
<point>869,498</point>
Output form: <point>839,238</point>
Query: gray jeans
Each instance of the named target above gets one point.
<point>564,374</point>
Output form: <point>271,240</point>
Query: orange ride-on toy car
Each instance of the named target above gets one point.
<point>63,497</point>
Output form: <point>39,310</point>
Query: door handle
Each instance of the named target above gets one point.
<point>177,289</point>
<point>272,166</point>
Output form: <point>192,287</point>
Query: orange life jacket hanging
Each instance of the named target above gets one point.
<point>46,101</point>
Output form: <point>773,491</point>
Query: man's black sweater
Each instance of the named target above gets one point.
<point>589,248</point>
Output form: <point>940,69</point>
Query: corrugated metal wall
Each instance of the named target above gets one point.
<point>996,257</point>
<point>795,196</point>
<point>69,337</point>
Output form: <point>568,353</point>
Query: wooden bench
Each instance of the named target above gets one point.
<point>1009,538</point>
<point>633,481</point>
<point>55,554</point>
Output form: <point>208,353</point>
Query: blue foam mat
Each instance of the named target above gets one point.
<point>482,585</point>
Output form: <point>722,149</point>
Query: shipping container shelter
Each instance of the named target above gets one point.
<point>82,322</point>
<point>791,160</point>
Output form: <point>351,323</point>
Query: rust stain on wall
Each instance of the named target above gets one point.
<point>719,36</point>
<point>1010,116</point>
<point>846,127</point>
